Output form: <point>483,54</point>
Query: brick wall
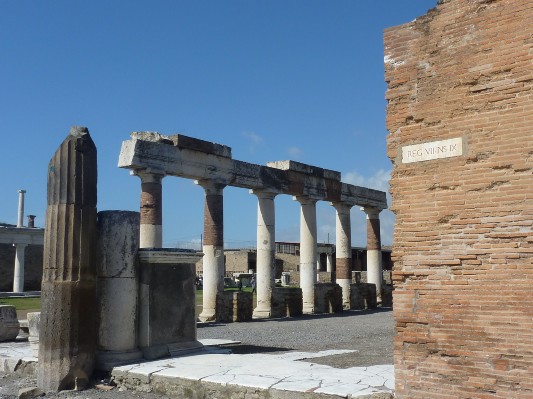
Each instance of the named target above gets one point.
<point>463,249</point>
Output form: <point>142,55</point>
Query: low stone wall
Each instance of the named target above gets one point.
<point>328,298</point>
<point>234,306</point>
<point>287,302</point>
<point>362,296</point>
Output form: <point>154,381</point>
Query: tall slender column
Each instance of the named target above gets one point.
<point>308,255</point>
<point>373,250</point>
<point>20,221</point>
<point>151,229</point>
<point>213,247</point>
<point>344,250</point>
<point>18,278</point>
<point>266,250</point>
<point>329,263</point>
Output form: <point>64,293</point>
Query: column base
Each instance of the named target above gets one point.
<point>262,313</point>
<point>106,360</point>
<point>308,309</point>
<point>207,315</point>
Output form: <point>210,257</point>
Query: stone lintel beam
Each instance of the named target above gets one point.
<point>158,152</point>
<point>21,235</point>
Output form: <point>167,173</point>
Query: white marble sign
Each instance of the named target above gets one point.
<point>432,150</point>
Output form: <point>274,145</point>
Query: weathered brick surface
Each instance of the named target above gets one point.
<point>214,220</point>
<point>463,248</point>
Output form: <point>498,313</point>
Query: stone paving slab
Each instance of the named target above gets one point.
<point>217,371</point>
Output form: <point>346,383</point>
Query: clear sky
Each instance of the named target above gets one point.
<point>273,80</point>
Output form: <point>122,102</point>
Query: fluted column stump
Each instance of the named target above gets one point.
<point>67,340</point>
<point>213,248</point>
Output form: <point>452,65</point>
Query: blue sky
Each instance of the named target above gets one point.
<point>274,80</point>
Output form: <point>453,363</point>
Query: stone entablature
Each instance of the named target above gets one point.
<point>187,157</point>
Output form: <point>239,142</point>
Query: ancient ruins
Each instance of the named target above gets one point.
<point>460,112</point>
<point>152,156</point>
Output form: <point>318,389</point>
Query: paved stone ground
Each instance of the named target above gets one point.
<point>358,338</point>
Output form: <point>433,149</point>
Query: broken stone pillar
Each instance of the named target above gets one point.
<point>67,340</point>
<point>343,251</point>
<point>9,324</point>
<point>308,254</point>
<point>266,250</point>
<point>18,276</point>
<point>213,248</point>
<point>373,250</point>
<point>117,288</point>
<point>151,233</point>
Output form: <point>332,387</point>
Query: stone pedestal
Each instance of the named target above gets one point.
<point>328,298</point>
<point>9,324</point>
<point>34,321</point>
<point>386,296</point>
<point>117,288</point>
<point>287,302</point>
<point>167,302</point>
<point>363,296</point>
<point>234,306</point>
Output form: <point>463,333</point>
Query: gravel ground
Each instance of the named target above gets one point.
<point>370,333</point>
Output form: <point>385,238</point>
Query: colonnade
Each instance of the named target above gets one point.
<point>152,156</point>
<point>213,243</point>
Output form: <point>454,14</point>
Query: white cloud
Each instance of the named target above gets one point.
<point>295,152</point>
<point>254,140</point>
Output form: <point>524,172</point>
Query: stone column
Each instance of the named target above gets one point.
<point>117,288</point>
<point>67,340</point>
<point>329,264</point>
<point>18,278</point>
<point>308,255</point>
<point>151,231</point>
<point>213,247</point>
<point>344,250</point>
<point>20,221</point>
<point>373,249</point>
<point>266,251</point>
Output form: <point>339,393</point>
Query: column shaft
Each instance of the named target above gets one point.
<point>308,255</point>
<point>151,225</point>
<point>18,277</point>
<point>213,248</point>
<point>344,251</point>
<point>20,220</point>
<point>266,249</point>
<point>373,250</point>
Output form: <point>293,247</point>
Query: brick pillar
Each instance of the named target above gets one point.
<point>213,247</point>
<point>308,254</point>
<point>343,250</point>
<point>373,249</point>
<point>151,230</point>
<point>266,250</point>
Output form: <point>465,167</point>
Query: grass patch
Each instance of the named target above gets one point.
<point>22,303</point>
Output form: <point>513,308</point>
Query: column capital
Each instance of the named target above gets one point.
<point>22,191</point>
<point>371,212</point>
<point>342,207</point>
<point>20,245</point>
<point>148,175</point>
<point>211,187</point>
<point>266,194</point>
<point>305,200</point>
